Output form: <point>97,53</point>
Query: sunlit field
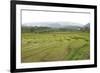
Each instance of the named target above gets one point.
<point>55,46</point>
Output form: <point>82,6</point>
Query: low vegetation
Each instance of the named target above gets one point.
<point>39,45</point>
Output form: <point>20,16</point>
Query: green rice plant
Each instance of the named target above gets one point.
<point>55,46</point>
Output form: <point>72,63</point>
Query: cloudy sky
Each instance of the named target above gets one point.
<point>41,16</point>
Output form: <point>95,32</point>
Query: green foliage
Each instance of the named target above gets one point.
<point>27,29</point>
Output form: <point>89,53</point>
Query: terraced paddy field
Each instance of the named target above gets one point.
<point>55,46</point>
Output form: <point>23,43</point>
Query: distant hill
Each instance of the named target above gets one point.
<point>87,26</point>
<point>54,24</point>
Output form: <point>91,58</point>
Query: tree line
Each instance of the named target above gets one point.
<point>39,29</point>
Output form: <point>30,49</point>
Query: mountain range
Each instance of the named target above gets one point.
<point>54,24</point>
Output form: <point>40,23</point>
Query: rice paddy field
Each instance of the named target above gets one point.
<point>55,46</point>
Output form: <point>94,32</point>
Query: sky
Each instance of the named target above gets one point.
<point>42,16</point>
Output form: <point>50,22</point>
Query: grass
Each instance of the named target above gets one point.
<point>55,46</point>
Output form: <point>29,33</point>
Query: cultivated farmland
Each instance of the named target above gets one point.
<point>55,46</point>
